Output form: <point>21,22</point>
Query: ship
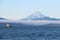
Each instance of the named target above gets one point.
<point>8,25</point>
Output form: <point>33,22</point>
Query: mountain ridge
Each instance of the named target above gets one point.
<point>39,16</point>
<point>2,18</point>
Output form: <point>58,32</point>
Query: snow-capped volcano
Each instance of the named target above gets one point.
<point>36,15</point>
<point>39,16</point>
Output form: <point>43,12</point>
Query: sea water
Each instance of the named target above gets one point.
<point>30,33</point>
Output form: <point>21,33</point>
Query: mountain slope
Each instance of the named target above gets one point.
<point>2,18</point>
<point>39,16</point>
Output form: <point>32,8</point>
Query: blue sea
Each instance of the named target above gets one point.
<point>27,32</point>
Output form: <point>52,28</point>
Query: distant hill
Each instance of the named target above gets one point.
<point>2,18</point>
<point>39,16</point>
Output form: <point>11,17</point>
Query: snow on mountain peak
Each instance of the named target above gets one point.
<point>38,15</point>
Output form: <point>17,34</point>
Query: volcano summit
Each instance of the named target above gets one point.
<point>39,16</point>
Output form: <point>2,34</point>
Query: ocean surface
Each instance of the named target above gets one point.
<point>28,32</point>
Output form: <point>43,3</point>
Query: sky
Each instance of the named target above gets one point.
<point>19,9</point>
